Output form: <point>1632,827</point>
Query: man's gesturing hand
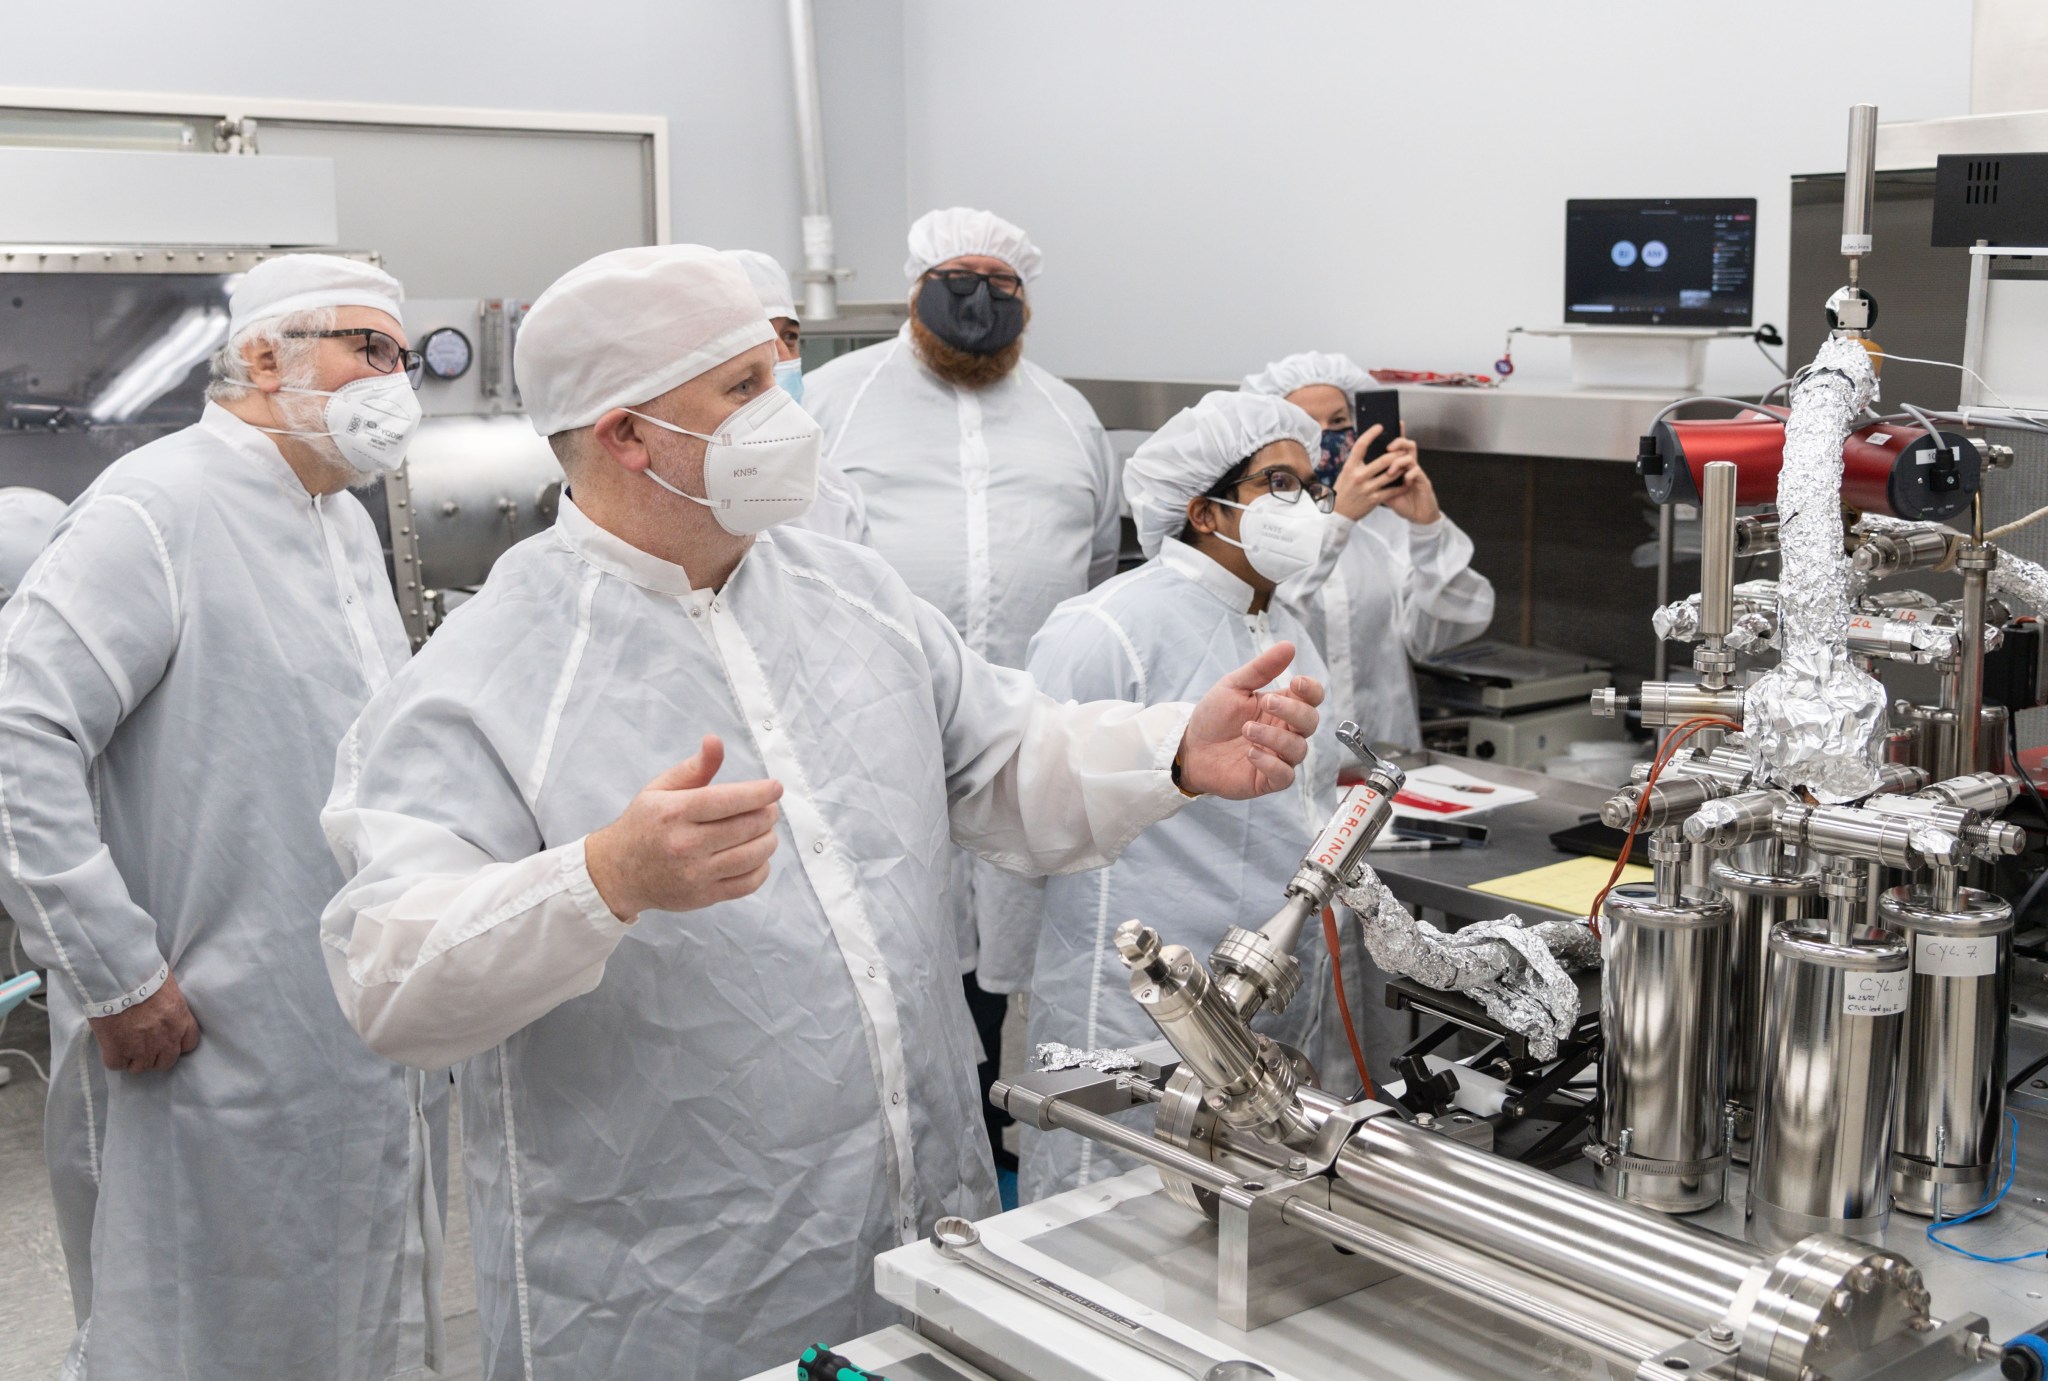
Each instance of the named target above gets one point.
<point>150,1036</point>
<point>1243,741</point>
<point>684,843</point>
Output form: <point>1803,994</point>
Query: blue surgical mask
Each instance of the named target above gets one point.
<point>789,377</point>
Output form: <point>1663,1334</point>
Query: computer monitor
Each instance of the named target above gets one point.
<point>1664,262</point>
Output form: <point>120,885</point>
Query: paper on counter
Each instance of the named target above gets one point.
<point>1569,886</point>
<point>1442,792</point>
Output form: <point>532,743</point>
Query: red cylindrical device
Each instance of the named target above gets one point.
<point>1887,467</point>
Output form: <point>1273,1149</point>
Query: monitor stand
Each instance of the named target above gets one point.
<point>1645,357</point>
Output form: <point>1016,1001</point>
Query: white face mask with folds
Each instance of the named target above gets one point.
<point>371,421</point>
<point>1280,539</point>
<point>760,467</point>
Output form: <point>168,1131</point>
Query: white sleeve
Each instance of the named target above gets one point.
<point>1444,601</point>
<point>447,939</point>
<point>1109,531</point>
<point>1037,786</point>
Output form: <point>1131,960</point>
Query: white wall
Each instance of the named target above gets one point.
<point>1217,182</point>
<point>719,70</point>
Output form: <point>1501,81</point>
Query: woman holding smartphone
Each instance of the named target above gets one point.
<point>1404,585</point>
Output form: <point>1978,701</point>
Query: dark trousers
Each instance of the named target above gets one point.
<point>987,1009</point>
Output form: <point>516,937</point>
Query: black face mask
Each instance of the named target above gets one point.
<point>1336,446</point>
<point>979,323</point>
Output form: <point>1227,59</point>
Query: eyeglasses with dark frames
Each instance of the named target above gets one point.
<point>380,351</point>
<point>962,282</point>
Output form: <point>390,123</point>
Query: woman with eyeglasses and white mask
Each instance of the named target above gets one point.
<point>1227,507</point>
<point>1403,585</point>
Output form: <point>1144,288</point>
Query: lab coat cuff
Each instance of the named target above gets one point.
<point>1429,531</point>
<point>1164,797</point>
<point>590,903</point>
<point>95,1010</point>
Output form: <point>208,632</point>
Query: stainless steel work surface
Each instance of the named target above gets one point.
<point>1518,839</point>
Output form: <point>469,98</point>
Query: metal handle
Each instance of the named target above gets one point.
<point>956,1239</point>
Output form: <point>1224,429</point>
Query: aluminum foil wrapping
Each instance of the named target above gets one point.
<point>2014,579</point>
<point>1816,720</point>
<point>1051,1057</point>
<point>1752,630</point>
<point>1519,974</point>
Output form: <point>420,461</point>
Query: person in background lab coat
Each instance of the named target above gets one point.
<point>839,511</point>
<point>990,487</point>
<point>1404,586</point>
<point>244,1191</point>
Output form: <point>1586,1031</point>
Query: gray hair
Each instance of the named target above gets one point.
<point>229,368</point>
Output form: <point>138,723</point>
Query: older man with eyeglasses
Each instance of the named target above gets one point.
<point>989,485</point>
<point>246,1192</point>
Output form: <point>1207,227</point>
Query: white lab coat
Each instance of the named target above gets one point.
<point>1165,631</point>
<point>1384,602</point>
<point>839,510</point>
<point>993,504</point>
<point>688,1138</point>
<point>174,676</point>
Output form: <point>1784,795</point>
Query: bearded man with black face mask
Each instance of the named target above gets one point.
<point>989,484</point>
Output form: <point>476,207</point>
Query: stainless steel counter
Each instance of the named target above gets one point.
<point>1518,839</point>
<point>1512,420</point>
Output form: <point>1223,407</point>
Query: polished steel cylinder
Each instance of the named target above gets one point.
<point>1664,984</point>
<point>1657,1268</point>
<point>1717,549</point>
<point>1976,560</point>
<point>1859,183</point>
<point>1951,1101</point>
<point>1833,1015</point>
<point>1761,901</point>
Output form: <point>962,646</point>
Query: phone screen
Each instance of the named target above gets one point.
<point>1379,407</point>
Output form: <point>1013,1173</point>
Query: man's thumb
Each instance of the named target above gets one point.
<point>1263,669</point>
<point>693,772</point>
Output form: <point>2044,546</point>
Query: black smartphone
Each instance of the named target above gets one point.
<point>1379,407</point>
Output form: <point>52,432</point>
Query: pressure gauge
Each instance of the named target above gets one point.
<point>447,353</point>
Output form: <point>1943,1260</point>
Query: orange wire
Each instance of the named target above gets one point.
<point>1334,943</point>
<point>1685,730</point>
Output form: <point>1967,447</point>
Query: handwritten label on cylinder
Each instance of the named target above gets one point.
<point>1955,956</point>
<point>1875,994</point>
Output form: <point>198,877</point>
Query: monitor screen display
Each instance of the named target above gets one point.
<point>1666,262</point>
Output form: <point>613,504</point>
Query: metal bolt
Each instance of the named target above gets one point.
<point>1840,1301</point>
<point>1821,1334</point>
<point>1864,1279</point>
<point>1721,1333</point>
<point>1297,1165</point>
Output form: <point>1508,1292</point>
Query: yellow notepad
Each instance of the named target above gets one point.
<point>1569,886</point>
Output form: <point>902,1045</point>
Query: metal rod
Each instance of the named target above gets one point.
<point>1970,673</point>
<point>1665,520</point>
<point>1131,1141</point>
<point>820,277</point>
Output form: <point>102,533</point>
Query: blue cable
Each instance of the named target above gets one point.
<point>2012,1167</point>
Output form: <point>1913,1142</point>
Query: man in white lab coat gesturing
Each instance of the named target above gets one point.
<point>653,837</point>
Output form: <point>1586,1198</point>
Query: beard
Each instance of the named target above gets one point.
<point>305,416</point>
<point>962,368</point>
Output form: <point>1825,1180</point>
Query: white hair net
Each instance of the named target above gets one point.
<point>1197,447</point>
<point>941,235</point>
<point>302,282</point>
<point>1284,376</point>
<point>771,282</point>
<point>27,518</point>
<point>628,326</point>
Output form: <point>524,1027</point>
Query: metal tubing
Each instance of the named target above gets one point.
<point>1717,551</point>
<point>821,277</point>
<point>1674,1276</point>
<point>1976,561</point>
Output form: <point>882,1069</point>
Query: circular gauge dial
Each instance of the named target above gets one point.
<point>447,353</point>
